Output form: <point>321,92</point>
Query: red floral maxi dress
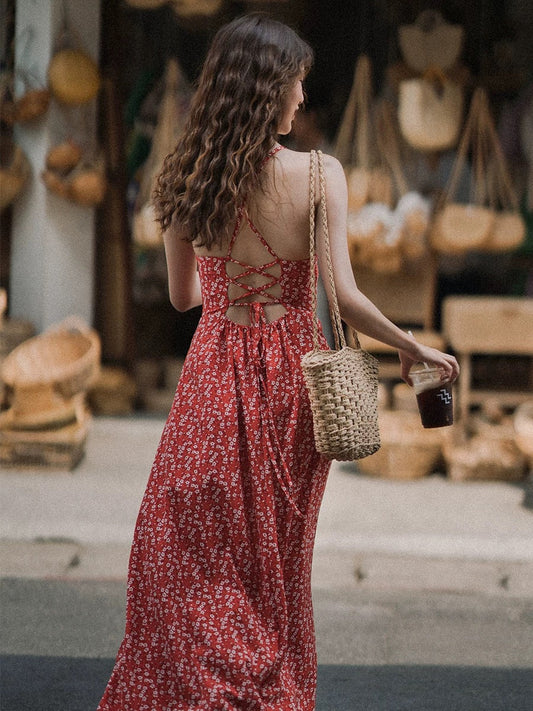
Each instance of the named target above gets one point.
<point>219,614</point>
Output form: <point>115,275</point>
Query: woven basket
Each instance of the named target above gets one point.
<point>490,221</point>
<point>430,116</point>
<point>47,371</point>
<point>112,393</point>
<point>484,458</point>
<point>14,172</point>
<point>430,42</point>
<point>342,384</point>
<point>408,451</point>
<point>461,228</point>
<point>332,393</point>
<point>507,233</point>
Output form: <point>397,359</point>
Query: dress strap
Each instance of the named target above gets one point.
<point>271,153</point>
<point>242,211</point>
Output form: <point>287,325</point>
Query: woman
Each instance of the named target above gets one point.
<point>219,599</point>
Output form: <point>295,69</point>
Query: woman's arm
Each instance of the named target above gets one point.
<point>356,309</point>
<point>183,281</point>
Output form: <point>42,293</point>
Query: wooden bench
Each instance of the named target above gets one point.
<point>490,326</point>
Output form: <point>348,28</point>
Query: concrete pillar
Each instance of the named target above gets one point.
<point>52,243</point>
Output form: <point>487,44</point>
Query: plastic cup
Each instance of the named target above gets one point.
<point>434,398</point>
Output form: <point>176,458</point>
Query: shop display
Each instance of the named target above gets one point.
<point>383,233</point>
<point>75,178</point>
<point>172,115</point>
<point>31,105</point>
<point>491,220</point>
<point>526,140</point>
<point>14,171</point>
<point>55,448</point>
<point>23,96</point>
<point>147,4</point>
<point>112,393</point>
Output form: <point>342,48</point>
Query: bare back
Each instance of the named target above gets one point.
<point>273,227</point>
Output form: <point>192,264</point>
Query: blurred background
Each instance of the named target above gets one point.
<point>427,104</point>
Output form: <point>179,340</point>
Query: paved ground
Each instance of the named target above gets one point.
<point>423,590</point>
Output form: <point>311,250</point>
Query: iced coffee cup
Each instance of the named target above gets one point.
<point>433,396</point>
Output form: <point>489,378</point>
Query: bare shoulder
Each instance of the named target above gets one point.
<point>333,167</point>
<point>294,162</point>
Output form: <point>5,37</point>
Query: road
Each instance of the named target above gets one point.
<point>379,649</point>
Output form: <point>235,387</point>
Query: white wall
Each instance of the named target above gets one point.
<point>52,243</point>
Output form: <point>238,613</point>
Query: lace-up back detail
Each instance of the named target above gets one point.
<point>253,290</point>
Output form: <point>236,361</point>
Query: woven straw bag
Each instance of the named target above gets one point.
<point>355,143</point>
<point>342,383</point>
<point>430,113</point>
<point>430,42</point>
<point>490,221</point>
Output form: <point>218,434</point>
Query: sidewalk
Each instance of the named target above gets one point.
<point>431,532</point>
<point>422,590</point>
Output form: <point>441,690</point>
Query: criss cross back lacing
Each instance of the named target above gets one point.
<point>270,270</point>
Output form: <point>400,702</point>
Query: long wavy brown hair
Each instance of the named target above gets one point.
<point>251,64</point>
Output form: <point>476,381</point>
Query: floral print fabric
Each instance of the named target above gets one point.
<point>219,614</point>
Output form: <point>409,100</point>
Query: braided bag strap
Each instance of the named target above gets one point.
<point>316,158</point>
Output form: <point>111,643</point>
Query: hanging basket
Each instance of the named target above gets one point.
<point>30,106</point>
<point>64,157</point>
<point>490,220</point>
<point>172,115</point>
<point>73,77</point>
<point>411,215</point>
<point>430,113</point>
<point>24,96</point>
<point>461,228</point>
<point>430,42</point>
<point>85,184</point>
<point>354,144</point>
<point>507,233</point>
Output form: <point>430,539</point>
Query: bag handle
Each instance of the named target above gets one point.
<point>336,321</point>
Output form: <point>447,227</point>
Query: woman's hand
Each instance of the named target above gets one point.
<point>447,364</point>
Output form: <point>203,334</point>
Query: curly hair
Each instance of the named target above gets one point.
<point>251,64</point>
